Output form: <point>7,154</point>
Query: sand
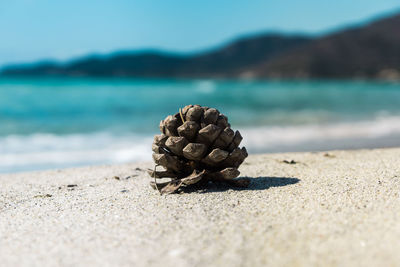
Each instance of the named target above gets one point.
<point>335,209</point>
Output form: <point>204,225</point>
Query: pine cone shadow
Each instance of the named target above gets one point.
<point>256,183</point>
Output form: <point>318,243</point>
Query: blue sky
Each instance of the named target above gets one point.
<point>49,29</point>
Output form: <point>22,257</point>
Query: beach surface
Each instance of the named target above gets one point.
<point>336,208</point>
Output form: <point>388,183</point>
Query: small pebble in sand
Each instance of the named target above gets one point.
<point>289,162</point>
<point>43,196</point>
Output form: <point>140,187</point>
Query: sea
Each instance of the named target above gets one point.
<point>54,123</point>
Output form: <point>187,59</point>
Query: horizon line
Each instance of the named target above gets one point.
<point>238,37</point>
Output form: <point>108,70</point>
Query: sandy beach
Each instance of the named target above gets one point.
<point>337,208</point>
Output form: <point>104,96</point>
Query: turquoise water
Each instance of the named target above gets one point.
<point>55,123</point>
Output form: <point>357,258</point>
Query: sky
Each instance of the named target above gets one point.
<point>32,30</point>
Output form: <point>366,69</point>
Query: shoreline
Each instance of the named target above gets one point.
<point>330,208</point>
<point>104,148</point>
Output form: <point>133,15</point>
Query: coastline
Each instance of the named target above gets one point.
<point>325,208</point>
<point>60,123</point>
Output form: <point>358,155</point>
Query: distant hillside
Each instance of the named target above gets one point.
<point>225,61</point>
<point>371,51</point>
<point>236,57</point>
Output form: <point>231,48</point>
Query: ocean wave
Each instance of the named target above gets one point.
<point>381,131</point>
<point>45,151</point>
<point>205,86</point>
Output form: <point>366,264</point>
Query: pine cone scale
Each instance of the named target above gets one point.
<point>208,134</point>
<point>176,144</point>
<point>188,130</point>
<point>194,151</point>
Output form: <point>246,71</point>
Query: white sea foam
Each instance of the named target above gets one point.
<point>45,151</point>
<point>382,131</point>
<point>205,86</point>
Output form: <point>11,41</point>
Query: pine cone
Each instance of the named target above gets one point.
<point>197,145</point>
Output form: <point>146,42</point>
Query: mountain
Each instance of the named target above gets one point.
<point>222,62</point>
<point>372,51</point>
<point>231,60</point>
<point>369,51</point>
